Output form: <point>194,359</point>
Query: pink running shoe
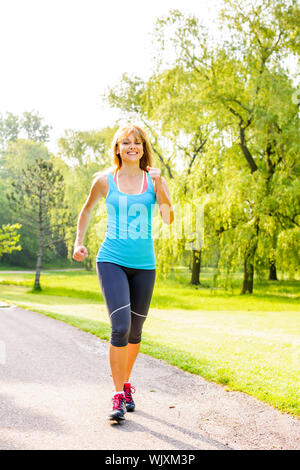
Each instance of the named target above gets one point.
<point>128,390</point>
<point>119,408</point>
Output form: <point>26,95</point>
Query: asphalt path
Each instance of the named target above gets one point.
<point>56,393</point>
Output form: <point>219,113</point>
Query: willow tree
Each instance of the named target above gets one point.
<point>272,35</point>
<point>246,92</point>
<point>239,92</point>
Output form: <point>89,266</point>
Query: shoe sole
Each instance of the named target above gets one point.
<point>130,409</point>
<point>116,418</point>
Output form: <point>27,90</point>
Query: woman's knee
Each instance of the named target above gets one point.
<point>120,336</point>
<point>135,335</point>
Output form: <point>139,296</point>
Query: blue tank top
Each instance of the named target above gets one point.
<point>128,239</point>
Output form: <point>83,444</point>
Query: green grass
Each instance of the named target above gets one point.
<point>171,293</point>
<point>247,343</point>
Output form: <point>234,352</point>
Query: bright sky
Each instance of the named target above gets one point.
<point>59,56</point>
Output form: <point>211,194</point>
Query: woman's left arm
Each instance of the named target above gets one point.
<point>162,195</point>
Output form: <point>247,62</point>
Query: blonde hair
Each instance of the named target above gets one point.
<point>124,132</point>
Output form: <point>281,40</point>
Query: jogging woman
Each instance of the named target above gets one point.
<point>126,258</point>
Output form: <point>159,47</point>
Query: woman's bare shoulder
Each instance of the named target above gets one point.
<point>101,181</point>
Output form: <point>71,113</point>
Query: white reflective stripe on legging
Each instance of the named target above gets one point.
<point>119,309</point>
<point>138,314</point>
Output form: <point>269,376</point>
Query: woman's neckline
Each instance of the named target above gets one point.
<point>128,194</point>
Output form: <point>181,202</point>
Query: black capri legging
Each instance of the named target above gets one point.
<point>127,293</point>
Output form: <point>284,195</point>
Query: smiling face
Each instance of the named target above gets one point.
<point>130,148</point>
<point>131,144</point>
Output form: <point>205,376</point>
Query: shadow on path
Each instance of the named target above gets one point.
<point>25,419</point>
<point>129,426</point>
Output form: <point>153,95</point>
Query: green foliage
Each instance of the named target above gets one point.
<point>38,199</point>
<point>21,144</point>
<point>40,189</point>
<point>9,238</point>
<point>30,125</point>
<point>228,126</point>
<point>34,127</point>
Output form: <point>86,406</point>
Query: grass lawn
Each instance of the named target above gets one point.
<point>248,343</point>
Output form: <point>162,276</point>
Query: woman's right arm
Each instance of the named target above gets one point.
<point>99,189</point>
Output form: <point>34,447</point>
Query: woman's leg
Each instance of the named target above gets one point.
<point>127,293</point>
<point>141,286</point>
<point>115,288</point>
<point>133,350</point>
<point>118,365</point>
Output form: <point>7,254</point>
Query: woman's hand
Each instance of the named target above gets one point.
<point>80,252</point>
<point>162,194</point>
<point>155,174</point>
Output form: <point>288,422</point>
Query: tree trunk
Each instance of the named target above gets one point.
<point>270,173</point>
<point>247,287</point>
<point>39,264</point>
<point>88,264</point>
<point>249,256</point>
<point>272,271</point>
<point>190,260</point>
<point>247,154</point>
<point>196,267</point>
<point>40,252</point>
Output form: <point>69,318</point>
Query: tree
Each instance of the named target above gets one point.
<point>34,127</point>
<point>9,129</point>
<point>16,151</point>
<point>35,197</point>
<point>235,97</point>
<point>29,125</point>
<point>236,83</point>
<point>18,155</point>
